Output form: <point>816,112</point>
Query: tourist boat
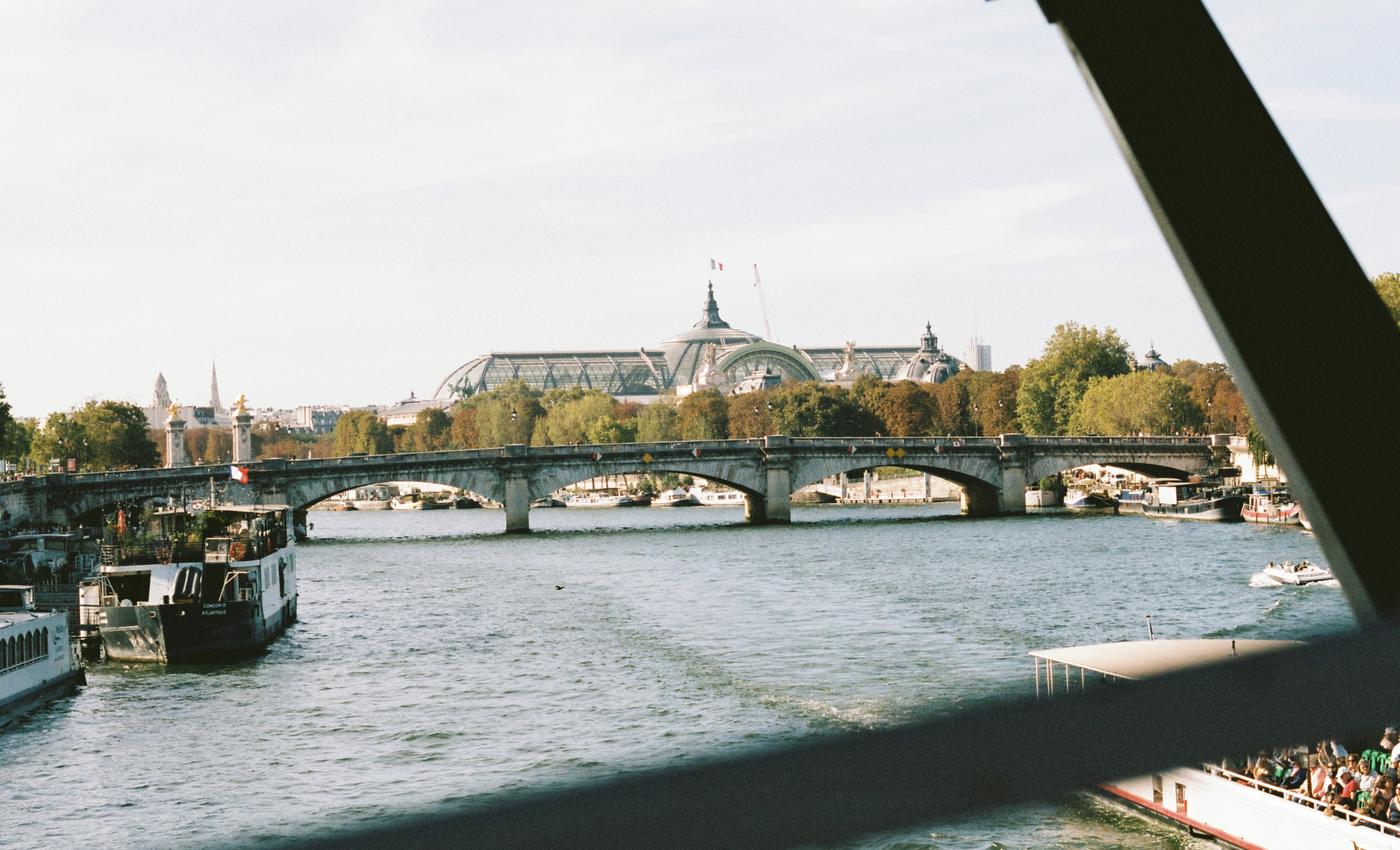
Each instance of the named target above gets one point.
<point>596,500</point>
<point>1303,572</point>
<point>547,502</point>
<point>676,498</point>
<point>405,503</point>
<point>1209,800</point>
<point>1084,499</point>
<point>1273,507</point>
<point>203,586</point>
<point>719,498</point>
<point>37,661</point>
<point>1191,500</point>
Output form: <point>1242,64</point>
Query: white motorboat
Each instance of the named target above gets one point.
<point>1303,572</point>
<point>677,498</point>
<point>37,660</point>
<point>1210,799</point>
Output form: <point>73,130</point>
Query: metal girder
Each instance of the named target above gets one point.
<point>1269,269</point>
<point>1278,285</point>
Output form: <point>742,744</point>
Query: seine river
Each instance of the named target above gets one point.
<point>437,659</point>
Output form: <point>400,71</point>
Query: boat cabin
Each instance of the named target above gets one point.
<point>16,598</point>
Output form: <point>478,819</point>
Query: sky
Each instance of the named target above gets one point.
<point>341,202</point>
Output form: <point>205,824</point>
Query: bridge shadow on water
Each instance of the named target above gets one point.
<point>805,520</point>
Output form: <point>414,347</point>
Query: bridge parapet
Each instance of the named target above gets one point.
<point>991,470</point>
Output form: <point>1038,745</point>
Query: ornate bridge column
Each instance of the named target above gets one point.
<point>175,439</point>
<point>242,432</point>
<point>516,480</point>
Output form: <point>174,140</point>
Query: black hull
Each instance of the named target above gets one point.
<point>192,632</point>
<point>1224,509</point>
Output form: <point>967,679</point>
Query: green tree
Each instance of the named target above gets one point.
<point>431,431</point>
<point>362,432</point>
<point>507,414</point>
<point>991,398</point>
<point>99,435</point>
<point>658,422</point>
<point>1388,287</point>
<point>1053,385</point>
<point>606,429</point>
<point>1258,449</point>
<point>569,414</point>
<point>704,415</point>
<point>19,438</point>
<point>7,425</point>
<point>1137,403</point>
<point>812,409</point>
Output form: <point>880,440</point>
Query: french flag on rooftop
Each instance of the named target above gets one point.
<point>238,473</point>
<point>715,265</point>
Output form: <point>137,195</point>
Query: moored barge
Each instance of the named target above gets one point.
<point>207,586</point>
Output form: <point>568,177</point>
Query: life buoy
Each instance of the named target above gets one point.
<point>236,550</point>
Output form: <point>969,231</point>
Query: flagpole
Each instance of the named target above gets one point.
<point>762,304</point>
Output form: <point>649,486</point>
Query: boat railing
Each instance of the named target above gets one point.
<point>1354,818</point>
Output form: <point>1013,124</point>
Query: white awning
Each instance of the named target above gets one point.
<point>1140,659</point>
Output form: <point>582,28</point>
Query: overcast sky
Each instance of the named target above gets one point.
<point>341,202</point>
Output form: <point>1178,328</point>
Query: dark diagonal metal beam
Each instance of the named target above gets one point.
<point>829,790</point>
<point>1307,336</point>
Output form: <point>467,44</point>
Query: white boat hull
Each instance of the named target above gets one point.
<point>1242,816</point>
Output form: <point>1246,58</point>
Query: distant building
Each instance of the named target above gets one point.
<point>406,412</point>
<point>978,356</point>
<point>1151,361</point>
<point>212,415</point>
<point>709,354</point>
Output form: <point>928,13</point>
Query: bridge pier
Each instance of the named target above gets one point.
<point>1013,490</point>
<point>980,501</point>
<point>755,509</point>
<point>517,505</point>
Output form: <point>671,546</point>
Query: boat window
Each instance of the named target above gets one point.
<point>1157,788</point>
<point>4,654</point>
<point>44,650</point>
<point>28,646</point>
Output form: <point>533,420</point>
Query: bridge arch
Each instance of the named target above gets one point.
<point>545,482</point>
<point>1041,466</point>
<point>303,493</point>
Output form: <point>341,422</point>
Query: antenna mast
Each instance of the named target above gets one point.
<point>763,305</point>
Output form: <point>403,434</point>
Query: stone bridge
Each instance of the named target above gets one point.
<point>991,471</point>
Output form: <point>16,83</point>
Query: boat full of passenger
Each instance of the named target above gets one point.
<point>195,586</point>
<point>1302,572</point>
<point>1284,803</point>
<point>37,661</point>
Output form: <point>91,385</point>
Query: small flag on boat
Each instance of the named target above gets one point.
<point>715,265</point>
<point>238,473</point>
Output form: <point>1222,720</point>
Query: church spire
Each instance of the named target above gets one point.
<point>214,388</point>
<point>162,399</point>
<point>710,317</point>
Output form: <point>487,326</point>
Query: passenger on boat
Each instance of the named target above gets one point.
<point>1346,787</point>
<point>1295,777</point>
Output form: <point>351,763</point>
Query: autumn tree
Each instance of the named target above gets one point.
<point>703,415</point>
<point>991,399</point>
<point>1144,402</point>
<point>463,433</point>
<point>905,409</point>
<point>1214,390</point>
<point>569,414</point>
<point>1053,384</point>
<point>813,409</point>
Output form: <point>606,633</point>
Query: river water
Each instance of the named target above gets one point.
<point>437,659</point>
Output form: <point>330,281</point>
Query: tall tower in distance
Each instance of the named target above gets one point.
<point>978,355</point>
<point>214,388</point>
